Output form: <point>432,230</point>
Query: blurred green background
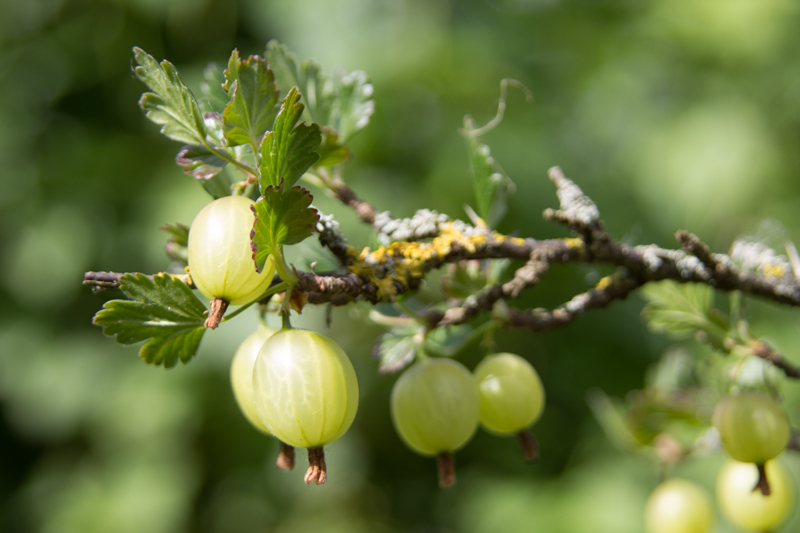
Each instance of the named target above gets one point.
<point>670,114</point>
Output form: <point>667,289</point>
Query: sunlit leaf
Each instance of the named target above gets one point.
<point>171,104</point>
<point>290,150</point>
<point>162,311</point>
<point>254,101</point>
<point>283,216</point>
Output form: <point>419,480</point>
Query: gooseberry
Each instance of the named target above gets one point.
<point>435,409</point>
<point>753,428</point>
<point>220,257</point>
<point>306,393</point>
<point>678,506</point>
<point>749,509</point>
<point>511,397</point>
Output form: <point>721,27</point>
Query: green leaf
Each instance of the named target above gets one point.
<point>352,103</point>
<point>162,311</point>
<point>254,102</point>
<point>200,162</point>
<point>177,247</point>
<point>463,279</point>
<point>396,348</point>
<point>171,104</point>
<point>308,78</point>
<point>231,72</point>
<point>179,233</point>
<point>342,102</point>
<point>214,98</point>
<point>678,308</point>
<point>282,217</point>
<point>289,150</point>
<point>331,151</point>
<point>446,340</point>
<point>610,415</point>
<point>488,179</point>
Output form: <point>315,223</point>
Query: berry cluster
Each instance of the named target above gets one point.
<point>753,491</point>
<point>301,387</point>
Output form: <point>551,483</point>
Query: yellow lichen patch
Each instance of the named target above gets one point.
<point>604,283</point>
<point>576,244</point>
<point>402,264</point>
<point>773,271</point>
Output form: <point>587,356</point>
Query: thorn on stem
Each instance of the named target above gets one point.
<point>216,312</point>
<point>763,484</point>
<point>317,470</point>
<point>447,469</point>
<point>530,448</point>
<point>285,457</point>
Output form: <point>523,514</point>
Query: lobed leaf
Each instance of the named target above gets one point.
<point>445,340</point>
<point>396,349</point>
<point>288,151</point>
<point>254,101</point>
<point>341,102</point>
<point>177,247</point>
<point>171,104</point>
<point>283,216</point>
<point>200,162</point>
<point>352,103</point>
<point>162,311</point>
<point>677,307</point>
<point>215,98</point>
<point>487,179</point>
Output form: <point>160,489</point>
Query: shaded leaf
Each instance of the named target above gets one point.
<point>463,279</point>
<point>447,339</point>
<point>610,415</point>
<point>200,162</point>
<point>214,98</point>
<point>396,349</point>
<point>488,179</point>
<point>289,150</point>
<point>331,151</point>
<point>171,104</point>
<point>282,217</point>
<point>162,311</point>
<point>177,245</point>
<point>352,104</point>
<point>254,100</point>
<point>342,101</point>
<point>306,76</point>
<point>677,307</point>
<point>179,233</point>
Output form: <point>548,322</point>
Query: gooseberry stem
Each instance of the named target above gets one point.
<point>215,312</point>
<point>285,322</point>
<point>763,484</point>
<point>272,290</point>
<point>289,277</point>
<point>317,470</point>
<point>285,457</point>
<point>447,469</point>
<point>530,448</point>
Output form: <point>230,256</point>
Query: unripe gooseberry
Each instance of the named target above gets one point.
<point>306,392</point>
<point>754,429</point>
<point>678,506</point>
<point>435,409</point>
<point>512,398</point>
<point>242,382</point>
<point>242,375</point>
<point>220,257</point>
<point>748,509</point>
